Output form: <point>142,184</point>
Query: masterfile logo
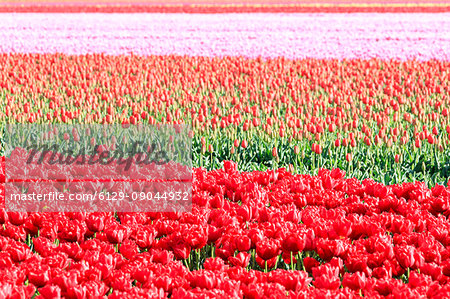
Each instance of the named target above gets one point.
<point>127,168</point>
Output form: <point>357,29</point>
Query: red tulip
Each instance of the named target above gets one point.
<point>274,152</point>
<point>267,249</point>
<point>356,281</point>
<point>242,259</point>
<point>50,292</point>
<point>405,256</point>
<point>337,143</point>
<point>39,276</point>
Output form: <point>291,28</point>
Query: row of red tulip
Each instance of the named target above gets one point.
<point>307,98</point>
<point>324,234</point>
<point>203,8</point>
<point>241,109</point>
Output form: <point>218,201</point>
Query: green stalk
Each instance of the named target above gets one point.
<point>292,261</point>
<point>198,258</point>
<point>253,259</point>
<point>189,261</point>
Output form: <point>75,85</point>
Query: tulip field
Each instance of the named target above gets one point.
<point>320,146</point>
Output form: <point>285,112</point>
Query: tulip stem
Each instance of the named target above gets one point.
<point>265,266</point>
<point>292,261</point>
<point>198,259</point>
<point>300,260</point>
<point>201,159</point>
<point>189,261</point>
<point>253,259</point>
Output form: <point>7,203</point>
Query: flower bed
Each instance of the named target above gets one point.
<point>253,234</point>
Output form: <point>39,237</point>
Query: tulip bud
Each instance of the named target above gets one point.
<point>291,168</point>
<point>377,140</point>
<point>296,150</point>
<point>274,152</point>
<point>418,143</point>
<point>397,158</point>
<point>331,128</point>
<point>337,142</point>
<point>435,131</point>
<point>318,149</point>
<point>244,143</point>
